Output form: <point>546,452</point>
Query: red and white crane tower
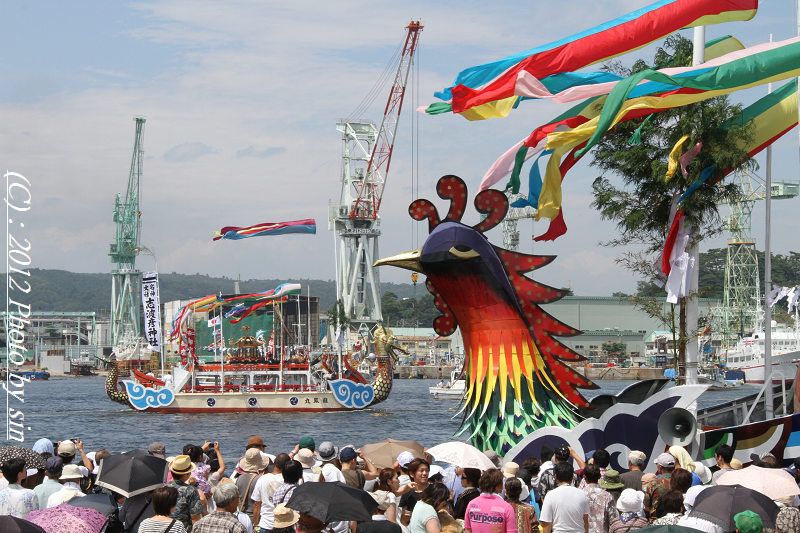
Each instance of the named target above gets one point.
<point>355,219</point>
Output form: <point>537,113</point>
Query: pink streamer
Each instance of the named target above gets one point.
<point>686,159</point>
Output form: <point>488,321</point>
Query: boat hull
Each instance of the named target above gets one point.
<point>755,373</point>
<point>251,402</point>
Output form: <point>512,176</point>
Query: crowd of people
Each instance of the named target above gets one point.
<point>558,492</point>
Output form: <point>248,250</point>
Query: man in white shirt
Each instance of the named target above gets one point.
<point>565,508</point>
<point>262,495</point>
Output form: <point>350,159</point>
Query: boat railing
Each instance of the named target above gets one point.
<point>768,383</point>
<point>264,387</point>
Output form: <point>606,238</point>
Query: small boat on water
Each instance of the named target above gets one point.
<point>453,389</point>
<point>31,375</point>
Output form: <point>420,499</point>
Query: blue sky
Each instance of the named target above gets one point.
<point>241,101</point>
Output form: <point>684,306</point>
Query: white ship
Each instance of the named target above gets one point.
<point>748,354</point>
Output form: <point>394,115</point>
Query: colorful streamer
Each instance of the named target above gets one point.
<point>489,90</point>
<point>779,62</point>
<point>307,225</point>
<point>590,108</point>
<point>245,305</point>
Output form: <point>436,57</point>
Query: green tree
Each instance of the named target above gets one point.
<point>614,349</point>
<point>640,199</point>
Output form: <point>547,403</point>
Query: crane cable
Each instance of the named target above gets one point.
<point>379,85</point>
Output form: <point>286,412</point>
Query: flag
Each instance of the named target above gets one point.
<point>214,322</point>
<point>491,90</point>
<point>307,225</point>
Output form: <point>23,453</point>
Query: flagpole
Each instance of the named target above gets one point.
<point>692,302</point>
<point>221,350</point>
<point>280,380</point>
<point>769,400</point>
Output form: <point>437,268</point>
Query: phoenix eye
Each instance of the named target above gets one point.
<point>463,252</point>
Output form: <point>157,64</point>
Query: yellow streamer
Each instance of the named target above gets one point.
<point>674,154</point>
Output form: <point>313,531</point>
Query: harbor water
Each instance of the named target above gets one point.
<point>63,408</point>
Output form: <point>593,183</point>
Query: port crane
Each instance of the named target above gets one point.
<point>355,218</point>
<point>126,321</point>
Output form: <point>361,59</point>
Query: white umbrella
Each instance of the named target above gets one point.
<point>775,483</point>
<point>461,454</point>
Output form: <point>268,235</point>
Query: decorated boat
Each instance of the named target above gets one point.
<point>259,385</point>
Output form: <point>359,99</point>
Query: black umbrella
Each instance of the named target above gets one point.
<point>135,452</point>
<point>666,529</point>
<point>12,524</point>
<point>130,475</point>
<point>32,458</point>
<point>102,503</point>
<point>719,503</point>
<point>332,502</point>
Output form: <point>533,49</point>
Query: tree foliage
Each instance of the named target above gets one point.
<point>640,205</point>
<point>409,311</point>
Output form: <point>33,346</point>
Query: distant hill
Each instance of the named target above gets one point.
<point>59,290</point>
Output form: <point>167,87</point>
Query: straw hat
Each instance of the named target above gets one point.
<point>305,457</point>
<point>284,517</point>
<point>181,465</point>
<point>510,469</point>
<point>252,461</point>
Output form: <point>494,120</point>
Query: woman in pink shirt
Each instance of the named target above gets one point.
<point>489,513</point>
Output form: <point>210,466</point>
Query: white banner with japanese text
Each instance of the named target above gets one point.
<point>152,310</point>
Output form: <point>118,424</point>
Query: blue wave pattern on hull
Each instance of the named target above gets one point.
<point>352,395</point>
<point>142,398</point>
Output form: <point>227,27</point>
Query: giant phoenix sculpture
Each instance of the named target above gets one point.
<point>518,379</point>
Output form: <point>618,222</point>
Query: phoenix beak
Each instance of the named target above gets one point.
<point>408,260</point>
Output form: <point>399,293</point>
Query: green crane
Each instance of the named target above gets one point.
<point>125,279</point>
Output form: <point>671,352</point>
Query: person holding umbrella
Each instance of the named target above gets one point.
<point>748,522</point>
<point>469,481</point>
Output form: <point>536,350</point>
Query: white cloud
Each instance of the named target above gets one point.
<point>260,152</point>
<point>241,129</point>
<point>188,152</point>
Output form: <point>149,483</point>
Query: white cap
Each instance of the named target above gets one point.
<point>404,458</point>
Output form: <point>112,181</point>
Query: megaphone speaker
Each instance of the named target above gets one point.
<point>677,426</point>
